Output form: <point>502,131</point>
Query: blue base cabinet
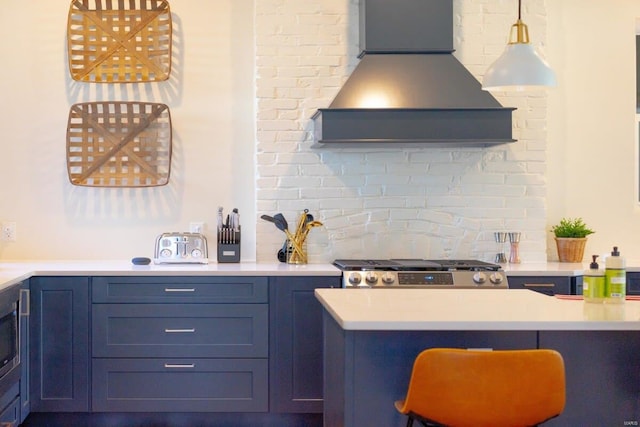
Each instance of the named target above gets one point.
<point>179,385</point>
<point>366,371</point>
<point>549,285</point>
<point>194,344</point>
<point>175,351</point>
<point>633,283</point>
<point>59,353</point>
<point>10,407</point>
<point>602,374</point>
<point>296,343</point>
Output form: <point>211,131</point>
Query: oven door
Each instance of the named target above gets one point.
<point>9,337</point>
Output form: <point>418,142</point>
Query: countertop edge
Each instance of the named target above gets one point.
<point>498,310</point>
<point>15,272</point>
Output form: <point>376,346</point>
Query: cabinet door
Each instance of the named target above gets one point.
<point>296,343</point>
<point>59,344</point>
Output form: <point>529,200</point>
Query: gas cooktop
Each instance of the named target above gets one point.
<point>420,273</point>
<point>414,264</point>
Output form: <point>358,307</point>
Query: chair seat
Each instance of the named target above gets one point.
<point>475,388</point>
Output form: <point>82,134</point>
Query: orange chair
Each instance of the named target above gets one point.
<point>476,388</point>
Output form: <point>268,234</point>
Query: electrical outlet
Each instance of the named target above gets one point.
<point>196,227</point>
<point>8,232</point>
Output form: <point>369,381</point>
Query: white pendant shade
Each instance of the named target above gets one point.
<point>518,68</point>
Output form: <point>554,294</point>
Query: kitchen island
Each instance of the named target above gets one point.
<point>373,336</point>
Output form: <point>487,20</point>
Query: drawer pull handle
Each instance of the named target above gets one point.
<point>180,331</point>
<point>539,285</point>
<point>179,366</point>
<point>179,289</point>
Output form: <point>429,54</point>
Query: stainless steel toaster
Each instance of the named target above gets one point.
<point>181,248</point>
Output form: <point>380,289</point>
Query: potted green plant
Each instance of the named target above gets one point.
<point>571,238</point>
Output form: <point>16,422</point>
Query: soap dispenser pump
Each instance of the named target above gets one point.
<point>593,285</point>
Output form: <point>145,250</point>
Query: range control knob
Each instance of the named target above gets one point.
<point>496,278</point>
<point>479,278</point>
<point>355,278</point>
<point>388,278</point>
<point>371,278</point>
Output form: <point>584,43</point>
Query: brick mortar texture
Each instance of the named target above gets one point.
<point>389,202</point>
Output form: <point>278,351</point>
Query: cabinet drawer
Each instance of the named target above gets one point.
<point>549,285</point>
<point>10,406</point>
<point>236,289</point>
<point>10,416</point>
<point>180,385</point>
<point>174,330</point>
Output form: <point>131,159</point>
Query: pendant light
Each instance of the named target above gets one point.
<point>519,67</point>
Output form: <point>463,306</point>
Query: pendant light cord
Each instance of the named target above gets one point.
<point>519,10</point>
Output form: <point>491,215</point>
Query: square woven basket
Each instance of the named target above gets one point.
<point>119,41</point>
<point>119,144</point>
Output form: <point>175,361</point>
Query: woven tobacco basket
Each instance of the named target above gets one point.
<point>119,144</point>
<point>119,41</point>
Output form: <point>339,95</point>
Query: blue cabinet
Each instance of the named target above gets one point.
<point>219,350</point>
<point>59,353</point>
<point>10,407</point>
<point>180,385</point>
<point>633,283</point>
<point>602,372</point>
<point>296,357</point>
<point>549,285</point>
<point>172,290</point>
<point>180,344</point>
<point>367,370</point>
<point>180,330</point>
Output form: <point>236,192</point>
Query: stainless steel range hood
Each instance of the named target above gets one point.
<point>408,88</point>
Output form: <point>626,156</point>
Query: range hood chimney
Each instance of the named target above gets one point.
<point>408,87</point>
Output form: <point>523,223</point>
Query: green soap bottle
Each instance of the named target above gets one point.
<point>615,278</point>
<point>593,285</point>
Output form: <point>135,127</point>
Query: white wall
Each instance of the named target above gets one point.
<point>244,140</point>
<point>593,156</point>
<point>211,98</point>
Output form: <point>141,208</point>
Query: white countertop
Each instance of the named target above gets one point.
<point>546,269</point>
<point>14,272</point>
<point>471,309</point>
<point>558,268</point>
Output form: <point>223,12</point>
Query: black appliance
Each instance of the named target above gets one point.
<point>9,337</point>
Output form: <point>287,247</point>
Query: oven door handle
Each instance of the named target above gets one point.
<point>25,302</point>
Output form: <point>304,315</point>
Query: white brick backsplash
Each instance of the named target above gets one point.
<point>299,182</point>
<point>385,202</point>
<point>277,193</point>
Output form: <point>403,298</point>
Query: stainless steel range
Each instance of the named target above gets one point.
<point>418,273</point>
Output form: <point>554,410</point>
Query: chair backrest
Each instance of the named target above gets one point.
<point>458,387</point>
